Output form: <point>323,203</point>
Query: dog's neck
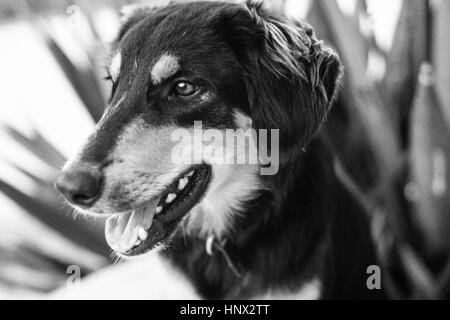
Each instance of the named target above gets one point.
<point>278,242</point>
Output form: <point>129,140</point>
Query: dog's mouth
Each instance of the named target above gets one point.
<point>138,231</point>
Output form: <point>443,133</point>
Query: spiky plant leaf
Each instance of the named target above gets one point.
<point>83,81</point>
<point>430,166</point>
<point>409,51</point>
<point>37,145</point>
<point>442,54</point>
<point>88,233</point>
<point>418,274</point>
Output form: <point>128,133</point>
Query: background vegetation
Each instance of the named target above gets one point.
<point>390,129</point>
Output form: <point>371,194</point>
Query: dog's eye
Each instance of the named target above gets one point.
<point>108,77</point>
<point>185,89</point>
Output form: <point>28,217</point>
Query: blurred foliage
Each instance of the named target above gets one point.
<point>391,136</point>
<point>396,130</point>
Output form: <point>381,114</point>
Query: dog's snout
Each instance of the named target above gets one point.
<point>80,188</point>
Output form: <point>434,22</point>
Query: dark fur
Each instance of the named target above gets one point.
<point>275,71</point>
<point>307,226</point>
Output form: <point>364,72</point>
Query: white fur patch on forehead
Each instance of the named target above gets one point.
<point>114,67</point>
<point>165,67</point>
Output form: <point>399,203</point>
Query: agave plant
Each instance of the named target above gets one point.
<point>390,133</point>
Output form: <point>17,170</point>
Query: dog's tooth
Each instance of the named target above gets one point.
<point>137,243</point>
<point>158,209</point>
<point>170,197</point>
<point>142,234</point>
<point>182,183</point>
<point>190,174</point>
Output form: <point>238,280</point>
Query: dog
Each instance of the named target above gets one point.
<point>233,232</point>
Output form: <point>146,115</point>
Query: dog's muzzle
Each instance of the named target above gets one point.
<point>150,223</point>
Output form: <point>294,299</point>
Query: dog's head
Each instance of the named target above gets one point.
<point>229,66</point>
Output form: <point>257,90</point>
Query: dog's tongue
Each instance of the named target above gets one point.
<point>122,230</point>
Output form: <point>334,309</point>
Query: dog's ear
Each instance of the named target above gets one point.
<point>292,77</point>
<point>327,70</point>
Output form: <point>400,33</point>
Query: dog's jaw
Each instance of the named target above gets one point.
<point>141,230</point>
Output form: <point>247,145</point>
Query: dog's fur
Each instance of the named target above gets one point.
<point>296,229</point>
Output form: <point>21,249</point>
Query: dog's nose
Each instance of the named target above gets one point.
<point>81,188</point>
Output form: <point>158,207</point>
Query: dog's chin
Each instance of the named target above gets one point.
<point>143,229</point>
